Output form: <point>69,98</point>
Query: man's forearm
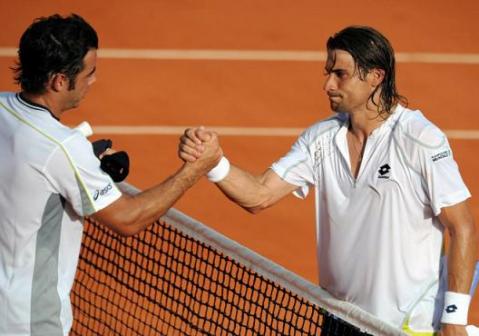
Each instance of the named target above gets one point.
<point>254,193</point>
<point>154,202</point>
<point>242,188</point>
<point>132,213</point>
<point>461,260</point>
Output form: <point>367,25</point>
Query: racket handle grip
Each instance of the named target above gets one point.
<point>85,129</point>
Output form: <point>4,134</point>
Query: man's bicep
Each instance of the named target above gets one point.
<point>116,215</point>
<point>278,187</point>
<point>456,217</point>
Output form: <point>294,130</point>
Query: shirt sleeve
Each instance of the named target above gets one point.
<point>444,184</point>
<point>75,173</point>
<point>296,168</point>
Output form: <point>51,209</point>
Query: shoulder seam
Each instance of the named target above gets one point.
<point>399,128</point>
<point>327,128</point>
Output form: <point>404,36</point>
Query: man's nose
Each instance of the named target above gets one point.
<point>330,83</point>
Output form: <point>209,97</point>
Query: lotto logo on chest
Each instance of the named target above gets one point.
<point>384,171</point>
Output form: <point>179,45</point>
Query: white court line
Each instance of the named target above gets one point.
<point>463,134</point>
<point>259,55</point>
<point>242,131</point>
<point>177,130</point>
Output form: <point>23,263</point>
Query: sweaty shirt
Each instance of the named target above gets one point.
<point>49,179</point>
<point>379,239</point>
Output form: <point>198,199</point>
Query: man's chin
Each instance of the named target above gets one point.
<point>334,107</point>
<point>73,105</point>
<point>337,108</point>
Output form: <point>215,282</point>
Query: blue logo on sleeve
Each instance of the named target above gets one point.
<point>102,192</point>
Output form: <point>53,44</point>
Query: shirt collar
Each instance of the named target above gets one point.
<point>21,98</point>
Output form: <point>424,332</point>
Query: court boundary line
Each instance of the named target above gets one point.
<point>261,55</point>
<point>457,134</point>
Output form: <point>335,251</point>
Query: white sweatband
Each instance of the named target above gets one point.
<point>456,306</point>
<point>472,330</point>
<point>220,171</point>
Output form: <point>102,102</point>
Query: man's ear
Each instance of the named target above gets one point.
<point>58,82</point>
<point>376,76</point>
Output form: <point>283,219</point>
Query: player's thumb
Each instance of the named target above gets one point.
<point>203,134</point>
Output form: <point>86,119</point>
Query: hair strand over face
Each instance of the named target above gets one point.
<point>370,50</point>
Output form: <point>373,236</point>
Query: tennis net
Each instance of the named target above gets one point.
<point>179,277</point>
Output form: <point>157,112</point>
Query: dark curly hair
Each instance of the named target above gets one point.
<point>53,45</point>
<point>370,50</point>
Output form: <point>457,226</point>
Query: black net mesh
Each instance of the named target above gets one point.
<point>162,282</point>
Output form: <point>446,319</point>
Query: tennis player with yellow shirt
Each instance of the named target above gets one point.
<point>50,178</point>
<point>386,188</point>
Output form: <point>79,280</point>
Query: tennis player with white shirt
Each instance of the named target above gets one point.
<point>50,178</point>
<point>386,187</point>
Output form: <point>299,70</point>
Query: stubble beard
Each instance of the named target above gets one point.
<point>335,107</point>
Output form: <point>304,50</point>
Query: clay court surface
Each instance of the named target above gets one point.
<point>243,89</point>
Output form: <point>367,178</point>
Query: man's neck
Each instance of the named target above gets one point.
<point>43,101</point>
<point>363,122</point>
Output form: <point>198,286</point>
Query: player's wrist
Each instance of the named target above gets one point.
<point>456,308</point>
<point>220,171</point>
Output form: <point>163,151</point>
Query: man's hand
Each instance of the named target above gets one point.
<point>130,214</point>
<point>200,149</point>
<point>191,145</point>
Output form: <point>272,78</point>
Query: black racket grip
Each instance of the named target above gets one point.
<point>100,146</point>
<point>116,165</point>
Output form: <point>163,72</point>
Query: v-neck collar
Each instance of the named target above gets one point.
<point>342,142</point>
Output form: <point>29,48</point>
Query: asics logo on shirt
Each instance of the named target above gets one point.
<point>384,171</point>
<point>102,192</point>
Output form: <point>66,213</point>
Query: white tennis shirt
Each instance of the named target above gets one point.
<point>378,236</point>
<point>49,179</point>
